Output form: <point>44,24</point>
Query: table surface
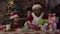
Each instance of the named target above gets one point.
<point>35,32</point>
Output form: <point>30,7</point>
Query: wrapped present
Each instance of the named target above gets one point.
<point>42,21</point>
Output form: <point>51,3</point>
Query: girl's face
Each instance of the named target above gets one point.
<point>28,13</point>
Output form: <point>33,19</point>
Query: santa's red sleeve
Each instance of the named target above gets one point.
<point>45,16</point>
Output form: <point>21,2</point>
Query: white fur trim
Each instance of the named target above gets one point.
<point>14,16</point>
<point>27,23</point>
<point>36,6</point>
<point>36,19</point>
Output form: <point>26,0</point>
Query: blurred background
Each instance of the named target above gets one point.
<point>21,7</point>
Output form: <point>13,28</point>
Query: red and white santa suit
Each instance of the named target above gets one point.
<point>32,19</point>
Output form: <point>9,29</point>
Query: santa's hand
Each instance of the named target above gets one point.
<point>27,23</point>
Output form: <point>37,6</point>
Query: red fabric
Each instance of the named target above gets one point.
<point>51,15</point>
<point>37,32</point>
<point>16,26</point>
<point>1,28</point>
<point>45,16</point>
<point>34,26</point>
<point>12,14</point>
<point>12,26</point>
<point>47,33</point>
<point>15,33</point>
<point>30,18</point>
<point>43,5</point>
<point>6,33</point>
<point>57,33</point>
<point>26,33</point>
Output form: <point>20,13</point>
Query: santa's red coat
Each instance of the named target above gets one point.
<point>30,18</point>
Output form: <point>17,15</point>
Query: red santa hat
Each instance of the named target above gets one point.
<point>13,15</point>
<point>36,6</point>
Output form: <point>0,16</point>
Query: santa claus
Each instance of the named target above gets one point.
<point>32,20</point>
